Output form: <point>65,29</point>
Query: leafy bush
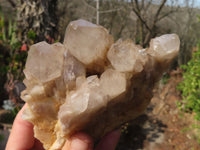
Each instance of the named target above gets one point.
<point>190,86</point>
<point>12,59</point>
<point>31,35</point>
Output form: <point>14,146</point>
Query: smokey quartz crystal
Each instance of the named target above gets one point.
<point>90,83</point>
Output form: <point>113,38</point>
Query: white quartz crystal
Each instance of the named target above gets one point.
<point>72,69</point>
<point>45,61</point>
<point>88,42</point>
<point>90,84</point>
<point>125,56</point>
<point>165,46</point>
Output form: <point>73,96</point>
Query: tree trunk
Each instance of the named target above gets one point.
<point>37,17</point>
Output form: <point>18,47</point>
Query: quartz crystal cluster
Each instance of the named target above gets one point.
<point>90,83</point>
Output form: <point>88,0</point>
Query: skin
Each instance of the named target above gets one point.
<point>22,138</point>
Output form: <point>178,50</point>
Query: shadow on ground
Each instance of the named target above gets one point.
<point>142,131</point>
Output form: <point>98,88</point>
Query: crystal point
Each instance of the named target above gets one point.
<point>45,61</point>
<point>87,42</point>
<point>125,56</point>
<point>90,84</point>
<point>165,46</point>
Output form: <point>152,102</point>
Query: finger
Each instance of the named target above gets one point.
<point>21,136</point>
<point>37,145</point>
<point>79,141</point>
<point>109,142</point>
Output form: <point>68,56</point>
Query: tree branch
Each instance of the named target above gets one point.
<point>111,10</point>
<point>142,5</point>
<point>137,5</point>
<point>12,3</point>
<point>158,13</point>
<point>149,4</point>
<point>166,14</point>
<point>140,17</point>
<point>159,10</point>
<point>90,6</point>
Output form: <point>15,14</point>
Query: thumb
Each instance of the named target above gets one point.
<point>79,141</point>
<point>109,142</point>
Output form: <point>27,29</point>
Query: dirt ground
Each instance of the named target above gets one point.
<point>163,126</point>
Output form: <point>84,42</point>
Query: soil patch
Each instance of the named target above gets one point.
<point>163,126</point>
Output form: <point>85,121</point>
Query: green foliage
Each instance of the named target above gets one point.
<point>179,105</point>
<point>7,33</point>
<point>11,59</point>
<point>2,29</point>
<point>190,86</point>
<point>15,111</point>
<point>165,78</point>
<point>31,35</point>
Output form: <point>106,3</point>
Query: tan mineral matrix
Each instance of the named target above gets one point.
<point>90,83</point>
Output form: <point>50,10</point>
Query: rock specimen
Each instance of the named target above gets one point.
<point>89,83</point>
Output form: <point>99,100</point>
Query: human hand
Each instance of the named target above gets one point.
<point>22,135</point>
<point>22,138</point>
<point>81,141</point>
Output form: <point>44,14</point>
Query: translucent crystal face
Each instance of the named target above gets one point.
<point>165,46</point>
<point>113,83</point>
<point>125,56</point>
<point>45,61</point>
<point>66,93</point>
<point>72,69</point>
<point>87,42</point>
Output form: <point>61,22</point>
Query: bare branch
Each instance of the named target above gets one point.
<point>90,6</point>
<point>142,5</point>
<point>159,10</point>
<point>139,16</point>
<point>158,13</point>
<point>149,4</point>
<point>12,3</point>
<point>141,19</point>
<point>109,11</point>
<point>137,5</point>
<point>166,14</point>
